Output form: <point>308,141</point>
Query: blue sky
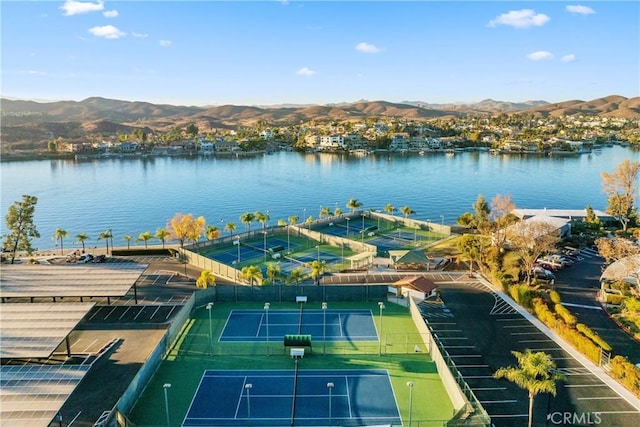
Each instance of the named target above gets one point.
<point>318,52</point>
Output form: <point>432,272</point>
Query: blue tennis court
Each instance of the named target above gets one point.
<point>249,251</point>
<point>334,325</point>
<point>294,397</point>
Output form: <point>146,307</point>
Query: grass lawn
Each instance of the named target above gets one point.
<point>192,355</point>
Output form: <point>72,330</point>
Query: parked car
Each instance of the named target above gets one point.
<point>85,259</point>
<point>99,259</point>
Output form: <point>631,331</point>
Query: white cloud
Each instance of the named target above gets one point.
<point>107,32</point>
<point>110,13</point>
<point>140,35</point>
<point>367,48</point>
<point>305,71</point>
<point>36,73</point>
<point>165,43</point>
<point>71,7</point>
<point>524,18</point>
<point>540,55</point>
<point>568,58</point>
<point>579,9</point>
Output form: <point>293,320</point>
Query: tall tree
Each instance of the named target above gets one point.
<point>354,205</point>
<point>212,232</point>
<point>145,237</point>
<point>59,235</point>
<point>296,275</point>
<point>274,272</point>
<point>247,218</point>
<point>621,186</point>
<point>251,273</point>
<point>128,239</point>
<point>20,226</point>
<point>293,219</point>
<point>206,279</point>
<point>324,211</point>
<point>481,213</point>
<point>230,227</point>
<point>389,208</point>
<point>82,238</point>
<point>337,212</point>
<point>106,235</point>
<point>162,234</point>
<point>471,248</point>
<point>262,218</point>
<point>185,227</point>
<point>531,240</point>
<point>317,269</point>
<point>536,373</point>
<point>406,211</point>
<point>501,208</point>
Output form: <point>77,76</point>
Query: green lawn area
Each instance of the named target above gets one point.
<point>191,356</point>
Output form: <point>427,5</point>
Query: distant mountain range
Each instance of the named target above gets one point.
<point>30,122</point>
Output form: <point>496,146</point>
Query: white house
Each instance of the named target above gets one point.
<point>332,142</point>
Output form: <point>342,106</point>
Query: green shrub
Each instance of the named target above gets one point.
<point>523,295</point>
<point>614,299</point>
<point>566,315</point>
<point>555,297</point>
<point>627,373</point>
<point>586,331</point>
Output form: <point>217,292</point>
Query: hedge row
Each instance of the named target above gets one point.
<point>627,373</point>
<point>593,336</point>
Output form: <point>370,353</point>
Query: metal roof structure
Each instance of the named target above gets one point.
<point>626,269</point>
<point>74,280</point>
<point>36,330</point>
<point>32,395</point>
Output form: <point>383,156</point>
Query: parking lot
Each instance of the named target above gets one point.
<point>479,330</point>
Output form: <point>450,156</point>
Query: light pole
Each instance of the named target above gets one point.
<point>236,242</point>
<point>248,387</point>
<point>166,387</point>
<point>362,231</point>
<point>330,387</point>
<point>209,306</point>
<point>348,219</point>
<point>324,327</point>
<point>410,385</point>
<point>266,309</point>
<point>318,248</point>
<point>265,245</point>
<point>381,305</point>
<point>442,220</point>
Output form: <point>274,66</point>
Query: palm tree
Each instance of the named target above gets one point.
<point>251,273</point>
<point>106,235</point>
<point>389,208</point>
<point>293,219</point>
<point>274,272</point>
<point>128,239</point>
<point>296,275</point>
<point>337,212</point>
<point>212,232</point>
<point>536,373</point>
<point>145,237</point>
<point>60,234</point>
<point>354,204</point>
<point>325,211</point>
<point>262,218</point>
<point>81,238</point>
<point>317,269</point>
<point>206,279</point>
<point>230,227</point>
<point>309,221</point>
<point>247,218</point>
<point>406,211</point>
<point>162,234</point>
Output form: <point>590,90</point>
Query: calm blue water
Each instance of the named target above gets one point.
<point>131,196</point>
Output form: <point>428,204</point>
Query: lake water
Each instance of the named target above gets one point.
<point>134,195</point>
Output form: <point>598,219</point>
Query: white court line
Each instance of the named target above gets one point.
<point>585,385</point>
<point>484,402</point>
<point>523,341</point>
<point>346,381</point>
<point>487,388</point>
<point>600,398</point>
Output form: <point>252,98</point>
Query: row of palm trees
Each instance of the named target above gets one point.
<point>253,273</point>
<point>213,232</point>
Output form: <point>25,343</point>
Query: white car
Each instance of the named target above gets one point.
<point>84,259</point>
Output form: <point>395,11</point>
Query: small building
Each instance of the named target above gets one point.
<point>417,287</point>
<point>409,260</point>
